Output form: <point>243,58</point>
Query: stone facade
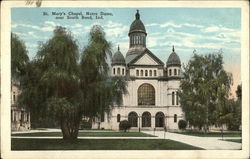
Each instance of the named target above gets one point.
<point>152,101</point>
<point>20,118</point>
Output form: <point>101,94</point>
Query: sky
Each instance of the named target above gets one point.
<point>205,30</point>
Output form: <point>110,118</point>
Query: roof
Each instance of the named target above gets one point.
<point>118,58</point>
<point>173,59</point>
<point>137,25</point>
<point>150,54</point>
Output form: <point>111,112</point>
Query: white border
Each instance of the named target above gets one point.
<point>152,154</point>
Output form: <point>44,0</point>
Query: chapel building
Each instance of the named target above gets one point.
<point>152,101</point>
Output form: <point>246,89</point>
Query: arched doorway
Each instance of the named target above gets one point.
<point>146,94</point>
<point>159,119</point>
<point>132,119</point>
<point>146,119</point>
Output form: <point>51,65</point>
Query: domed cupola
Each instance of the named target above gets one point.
<point>137,38</point>
<point>118,64</point>
<point>137,25</point>
<point>173,65</point>
<point>118,58</point>
<point>173,59</point>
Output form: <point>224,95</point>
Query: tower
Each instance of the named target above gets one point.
<point>173,68</point>
<point>118,64</point>
<point>137,38</point>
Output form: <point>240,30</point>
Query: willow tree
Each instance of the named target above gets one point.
<point>65,90</point>
<point>100,90</point>
<point>52,84</point>
<point>205,89</point>
<point>19,57</point>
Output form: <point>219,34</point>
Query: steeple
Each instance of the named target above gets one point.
<point>173,48</point>
<point>137,15</point>
<point>118,48</point>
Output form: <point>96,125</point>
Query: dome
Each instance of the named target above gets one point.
<point>137,25</point>
<point>173,59</point>
<point>118,58</point>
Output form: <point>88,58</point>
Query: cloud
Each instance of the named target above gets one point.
<point>219,28</point>
<point>46,28</point>
<point>172,24</point>
<point>111,24</point>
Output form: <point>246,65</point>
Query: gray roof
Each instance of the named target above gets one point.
<point>118,58</point>
<point>137,25</point>
<point>173,59</point>
<point>130,57</point>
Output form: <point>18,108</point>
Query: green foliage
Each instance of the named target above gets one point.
<point>19,57</point>
<point>124,125</point>
<point>100,90</point>
<point>239,92</point>
<point>86,124</point>
<point>182,124</point>
<point>55,84</point>
<point>205,89</point>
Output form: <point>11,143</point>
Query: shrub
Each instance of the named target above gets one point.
<point>124,125</point>
<point>182,124</point>
<point>86,124</point>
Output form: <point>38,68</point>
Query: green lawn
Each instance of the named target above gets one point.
<point>234,140</point>
<point>210,134</point>
<point>89,134</point>
<point>99,144</point>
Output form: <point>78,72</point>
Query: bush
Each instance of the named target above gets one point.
<point>86,124</point>
<point>124,125</point>
<point>182,124</point>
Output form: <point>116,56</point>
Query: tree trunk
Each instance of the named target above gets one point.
<point>70,131</point>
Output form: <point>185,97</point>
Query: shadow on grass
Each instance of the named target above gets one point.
<point>99,144</point>
<point>89,134</point>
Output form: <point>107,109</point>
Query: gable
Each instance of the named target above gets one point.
<point>146,59</point>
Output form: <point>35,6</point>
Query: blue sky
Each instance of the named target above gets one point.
<point>204,29</point>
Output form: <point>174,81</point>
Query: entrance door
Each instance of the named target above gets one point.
<point>159,119</point>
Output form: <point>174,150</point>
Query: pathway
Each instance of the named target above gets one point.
<point>208,143</point>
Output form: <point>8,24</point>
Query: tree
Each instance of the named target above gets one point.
<point>182,124</point>
<point>124,125</point>
<point>19,57</point>
<point>239,92</point>
<point>204,89</point>
<point>100,90</point>
<point>56,85</point>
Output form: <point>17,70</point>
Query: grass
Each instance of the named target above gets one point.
<point>99,144</point>
<point>210,134</point>
<point>234,140</point>
<point>89,134</point>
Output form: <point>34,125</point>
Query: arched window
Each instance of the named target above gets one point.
<point>118,117</point>
<point>123,71</point>
<point>137,72</point>
<point>102,117</point>
<point>159,119</point>
<point>177,98</point>
<point>172,98</point>
<point>141,72</point>
<point>175,72</point>
<point>14,97</point>
<point>155,73</point>
<point>146,94</point>
<point>118,71</point>
<point>146,119</point>
<point>178,71</point>
<point>150,72</point>
<point>114,71</point>
<point>175,118</point>
<point>27,117</point>
<point>146,73</point>
<point>170,72</point>
<point>11,115</point>
<point>132,119</point>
